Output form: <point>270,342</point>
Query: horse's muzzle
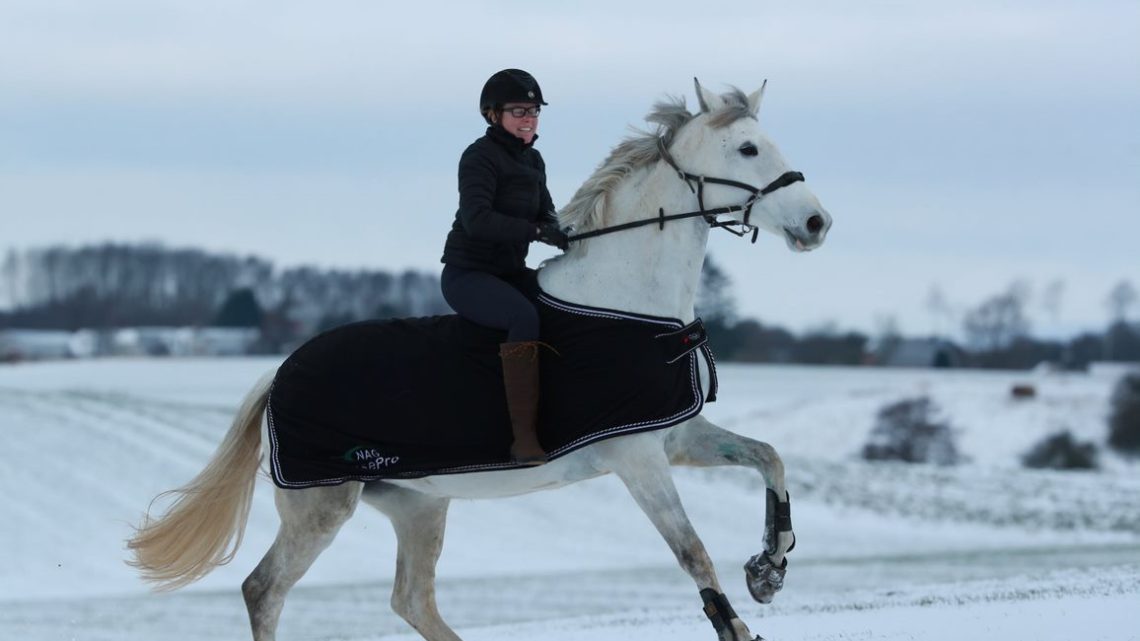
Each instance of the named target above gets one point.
<point>808,234</point>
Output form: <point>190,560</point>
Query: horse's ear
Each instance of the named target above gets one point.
<point>755,97</point>
<point>708,100</point>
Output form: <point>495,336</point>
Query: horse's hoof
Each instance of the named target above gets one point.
<point>764,579</point>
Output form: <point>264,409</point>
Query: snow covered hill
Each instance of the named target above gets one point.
<point>886,551</point>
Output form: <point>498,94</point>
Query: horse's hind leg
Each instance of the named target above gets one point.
<point>310,519</point>
<point>700,443</point>
<point>419,521</point>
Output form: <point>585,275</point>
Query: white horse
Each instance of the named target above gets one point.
<point>716,163</point>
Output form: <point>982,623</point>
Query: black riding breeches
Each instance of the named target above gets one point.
<point>490,301</point>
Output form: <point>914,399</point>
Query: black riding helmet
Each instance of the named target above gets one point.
<point>508,85</point>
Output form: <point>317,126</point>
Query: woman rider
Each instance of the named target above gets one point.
<point>504,206</point>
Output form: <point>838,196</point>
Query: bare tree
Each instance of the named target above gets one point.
<point>1051,299</point>
<point>1120,299</point>
<point>11,272</point>
<point>887,337</point>
<point>715,303</point>
<point>940,310</point>
<point>998,320</point>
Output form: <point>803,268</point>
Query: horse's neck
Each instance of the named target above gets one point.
<point>646,270</point>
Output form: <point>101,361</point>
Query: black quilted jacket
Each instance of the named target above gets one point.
<point>502,197</point>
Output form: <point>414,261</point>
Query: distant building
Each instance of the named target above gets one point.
<point>29,344</point>
<point>1113,369</point>
<point>924,352</point>
<point>181,341</point>
<point>34,344</point>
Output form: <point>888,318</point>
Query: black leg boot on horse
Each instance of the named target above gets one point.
<point>520,377</point>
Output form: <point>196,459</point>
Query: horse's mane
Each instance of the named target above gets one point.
<point>586,209</point>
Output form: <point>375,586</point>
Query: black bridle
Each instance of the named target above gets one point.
<point>739,228</point>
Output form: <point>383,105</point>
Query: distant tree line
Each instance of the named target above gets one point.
<point>120,285</point>
<point>996,333</point>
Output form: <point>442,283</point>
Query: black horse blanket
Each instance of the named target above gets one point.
<point>413,397</point>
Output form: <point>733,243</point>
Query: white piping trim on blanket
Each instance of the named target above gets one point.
<point>278,476</point>
<point>710,359</point>
<point>599,312</point>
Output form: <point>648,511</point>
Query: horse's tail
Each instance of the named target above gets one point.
<point>205,524</point>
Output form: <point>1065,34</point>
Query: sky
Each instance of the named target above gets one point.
<point>961,147</point>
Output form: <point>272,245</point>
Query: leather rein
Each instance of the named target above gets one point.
<point>738,228</point>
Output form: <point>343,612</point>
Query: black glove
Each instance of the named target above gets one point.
<point>550,234</point>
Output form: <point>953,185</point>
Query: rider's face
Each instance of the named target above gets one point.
<point>524,127</point>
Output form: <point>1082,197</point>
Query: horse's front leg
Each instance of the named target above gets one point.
<point>642,465</point>
<point>699,443</point>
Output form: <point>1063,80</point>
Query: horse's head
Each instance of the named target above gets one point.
<point>724,144</point>
<point>637,208</point>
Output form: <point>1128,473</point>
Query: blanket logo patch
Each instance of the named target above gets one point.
<point>369,458</point>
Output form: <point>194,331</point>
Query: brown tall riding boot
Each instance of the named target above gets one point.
<point>520,377</point>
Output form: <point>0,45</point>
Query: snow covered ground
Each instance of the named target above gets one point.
<point>983,550</point>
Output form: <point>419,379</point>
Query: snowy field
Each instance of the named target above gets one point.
<point>984,550</point>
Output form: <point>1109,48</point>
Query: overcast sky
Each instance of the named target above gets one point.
<point>961,145</point>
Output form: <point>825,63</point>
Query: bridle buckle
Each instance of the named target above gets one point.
<point>735,227</point>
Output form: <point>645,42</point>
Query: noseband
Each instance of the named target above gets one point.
<point>739,228</point>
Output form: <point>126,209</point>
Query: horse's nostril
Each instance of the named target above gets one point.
<point>815,223</point>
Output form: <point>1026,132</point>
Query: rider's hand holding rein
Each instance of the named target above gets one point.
<point>551,234</point>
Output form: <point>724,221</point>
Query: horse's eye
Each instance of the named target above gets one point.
<point>749,149</point>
